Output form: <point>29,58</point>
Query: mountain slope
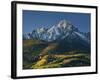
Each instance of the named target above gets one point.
<point>57,32</point>
<point>61,45</point>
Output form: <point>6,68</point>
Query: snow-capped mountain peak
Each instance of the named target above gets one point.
<point>64,24</point>
<point>64,29</point>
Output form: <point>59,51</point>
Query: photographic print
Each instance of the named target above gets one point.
<point>53,39</point>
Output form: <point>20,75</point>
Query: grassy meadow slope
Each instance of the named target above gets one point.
<point>39,54</point>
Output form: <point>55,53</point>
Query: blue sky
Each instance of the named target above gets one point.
<point>35,19</point>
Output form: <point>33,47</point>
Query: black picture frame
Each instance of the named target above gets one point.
<point>14,38</point>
